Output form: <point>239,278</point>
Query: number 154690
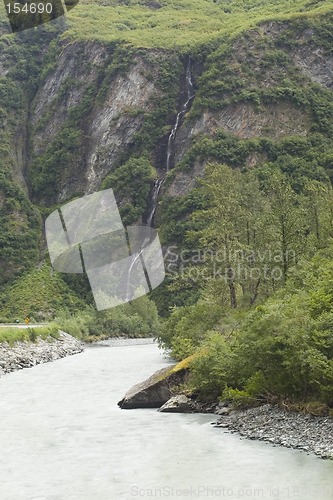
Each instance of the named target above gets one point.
<point>29,8</point>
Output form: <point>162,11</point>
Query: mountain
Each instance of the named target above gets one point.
<point>90,101</point>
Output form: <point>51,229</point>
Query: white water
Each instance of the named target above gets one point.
<point>182,112</point>
<point>156,189</point>
<point>171,141</point>
<point>63,437</point>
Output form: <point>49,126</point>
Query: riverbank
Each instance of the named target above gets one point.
<point>28,354</point>
<point>302,431</point>
<point>290,429</point>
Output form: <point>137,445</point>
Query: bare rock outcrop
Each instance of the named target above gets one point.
<point>179,404</point>
<point>157,389</point>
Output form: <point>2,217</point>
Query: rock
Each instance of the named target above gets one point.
<point>29,354</point>
<point>223,411</point>
<point>224,426</point>
<point>276,426</point>
<point>179,404</point>
<point>157,389</point>
<point>110,128</point>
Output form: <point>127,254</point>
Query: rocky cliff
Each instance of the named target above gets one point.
<point>80,115</point>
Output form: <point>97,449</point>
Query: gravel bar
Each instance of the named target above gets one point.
<point>293,430</point>
<point>28,354</point>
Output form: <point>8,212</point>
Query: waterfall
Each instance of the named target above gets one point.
<point>170,149</point>
<point>134,259</point>
<point>182,112</point>
<point>158,182</point>
<point>156,189</point>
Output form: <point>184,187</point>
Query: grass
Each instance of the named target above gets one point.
<point>13,335</point>
<point>38,293</point>
<point>180,24</point>
<point>177,24</point>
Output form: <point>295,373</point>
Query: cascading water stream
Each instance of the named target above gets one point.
<point>171,141</point>
<point>158,183</point>
<point>156,189</point>
<point>182,112</point>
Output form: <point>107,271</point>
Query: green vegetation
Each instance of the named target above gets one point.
<point>19,228</point>
<point>235,73</point>
<point>260,254</point>
<point>283,348</point>
<point>39,294</point>
<point>249,287</point>
<point>179,24</point>
<point>19,219</point>
<point>232,83</point>
<point>131,183</point>
<point>136,319</point>
<point>13,335</point>
<point>43,295</point>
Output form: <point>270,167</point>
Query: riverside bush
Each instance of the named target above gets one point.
<point>138,318</point>
<point>282,348</point>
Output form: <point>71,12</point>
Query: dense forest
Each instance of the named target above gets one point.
<point>245,211</point>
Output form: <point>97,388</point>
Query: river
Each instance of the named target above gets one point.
<point>64,438</point>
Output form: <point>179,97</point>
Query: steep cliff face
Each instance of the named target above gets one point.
<point>278,62</point>
<point>105,111</point>
<point>20,221</point>
<point>78,115</point>
<point>89,111</point>
<point>106,97</point>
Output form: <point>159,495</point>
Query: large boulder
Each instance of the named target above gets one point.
<point>157,389</point>
<point>179,404</point>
